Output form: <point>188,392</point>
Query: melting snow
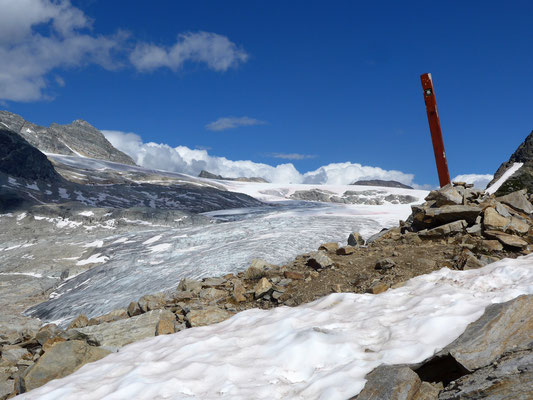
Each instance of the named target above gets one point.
<point>160,247</point>
<point>86,213</point>
<point>153,239</point>
<point>96,243</point>
<point>321,350</point>
<point>94,259</point>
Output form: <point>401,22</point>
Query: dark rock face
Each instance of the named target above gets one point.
<point>379,182</point>
<point>18,158</point>
<point>80,137</point>
<point>523,178</point>
<point>209,175</point>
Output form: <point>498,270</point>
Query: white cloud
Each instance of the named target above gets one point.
<point>29,55</point>
<point>292,156</point>
<point>217,51</point>
<point>479,180</point>
<point>224,123</point>
<point>188,161</point>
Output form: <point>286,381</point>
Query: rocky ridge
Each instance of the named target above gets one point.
<point>460,227</point>
<point>380,182</point>
<point>78,138</point>
<point>369,197</point>
<point>209,175</point>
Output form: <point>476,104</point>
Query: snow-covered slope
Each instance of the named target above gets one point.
<point>321,350</point>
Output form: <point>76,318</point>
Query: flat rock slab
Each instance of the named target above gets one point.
<point>126,331</point>
<point>207,316</point>
<point>518,201</point>
<point>59,361</point>
<point>502,327</point>
<point>391,382</point>
<point>506,239</point>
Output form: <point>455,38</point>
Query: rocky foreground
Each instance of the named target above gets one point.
<point>457,227</point>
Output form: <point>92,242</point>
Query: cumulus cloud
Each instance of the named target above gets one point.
<point>292,156</point>
<point>185,160</point>
<point>217,51</point>
<point>28,54</point>
<point>478,180</point>
<point>224,123</point>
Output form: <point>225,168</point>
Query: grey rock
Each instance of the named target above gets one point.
<point>517,200</point>
<point>209,315</point>
<point>126,331</point>
<point>518,226</point>
<point>431,217</point>
<point>213,281</point>
<point>382,183</point>
<point>503,327</point>
<point>59,361</point>
<point>151,302</point>
<point>494,221</point>
<point>190,285</point>
<point>14,353</point>
<point>134,309</point>
<point>474,230</point>
<point>447,229</point>
<point>319,260</point>
<point>257,269</point>
<point>114,315</point>
<point>209,175</point>
<point>212,294</point>
<point>355,239</point>
<point>262,288</point>
<point>447,195</point>
<point>6,387</point>
<point>391,382</point>
<point>502,210</point>
<point>384,264</point>
<point>80,321</point>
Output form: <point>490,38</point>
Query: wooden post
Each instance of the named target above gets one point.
<point>434,127</point>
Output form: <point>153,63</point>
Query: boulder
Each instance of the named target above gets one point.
<point>166,325</point>
<point>126,331</point>
<point>46,332</point>
<point>503,327</point>
<point>190,285</point>
<point>239,291</point>
<point>262,288</point>
<point>517,200</point>
<point>151,302</point>
<point>506,239</point>
<point>384,264</point>
<point>490,246</point>
<point>257,269</point>
<point>213,282</point>
<point>346,250</point>
<point>134,309</point>
<point>207,316</point>
<point>377,288</point>
<point>319,260</point>
<point>329,247</point>
<point>391,382</point>
<point>59,361</point>
<point>518,226</point>
<point>446,195</point>
<point>447,229</point>
<point>432,217</point>
<point>494,221</point>
<point>114,315</point>
<point>79,322</point>
<point>14,353</point>
<point>212,294</point>
<point>6,388</point>
<point>355,239</point>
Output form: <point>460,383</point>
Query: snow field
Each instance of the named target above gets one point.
<point>321,350</point>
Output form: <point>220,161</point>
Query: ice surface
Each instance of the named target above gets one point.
<point>506,175</point>
<point>321,350</point>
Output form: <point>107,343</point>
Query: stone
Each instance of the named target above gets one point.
<point>238,291</point>
<point>293,275</point>
<point>45,333</point>
<point>411,238</point>
<point>518,226</point>
<point>79,322</point>
<point>502,328</point>
<point>377,288</point>
<point>432,217</point>
<point>319,260</point>
<point>502,210</point>
<point>257,269</point>
<point>355,239</point>
<point>447,229</point>
<point>346,250</point>
<point>209,315</point>
<point>134,309</point>
<point>490,246</point>
<point>262,288</point>
<point>474,230</point>
<point>213,281</point>
<point>391,382</point>
<point>329,247</point>
<point>446,195</point>
<point>126,331</point>
<point>427,391</point>
<point>472,262</point>
<point>14,353</point>
<point>494,221</point>
<point>165,326</point>
<point>212,294</point>
<point>384,264</point>
<point>190,285</point>
<point>506,239</point>
<point>114,315</point>
<point>517,200</point>
<point>52,342</point>
<point>151,302</point>
<point>59,361</point>
<point>6,388</point>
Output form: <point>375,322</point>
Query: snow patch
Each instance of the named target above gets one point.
<point>86,213</point>
<point>507,174</point>
<point>94,259</point>
<point>153,239</point>
<point>160,247</point>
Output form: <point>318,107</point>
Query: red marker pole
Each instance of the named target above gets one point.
<point>434,127</point>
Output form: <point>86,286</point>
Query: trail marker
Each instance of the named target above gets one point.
<point>434,127</point>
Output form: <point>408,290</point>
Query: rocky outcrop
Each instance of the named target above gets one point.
<point>209,175</point>
<point>523,177</point>
<point>370,197</point>
<point>379,182</point>
<point>78,138</point>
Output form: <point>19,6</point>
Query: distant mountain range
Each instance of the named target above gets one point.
<point>379,182</point>
<point>209,175</point>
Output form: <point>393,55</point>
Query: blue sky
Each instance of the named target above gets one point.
<point>310,83</point>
